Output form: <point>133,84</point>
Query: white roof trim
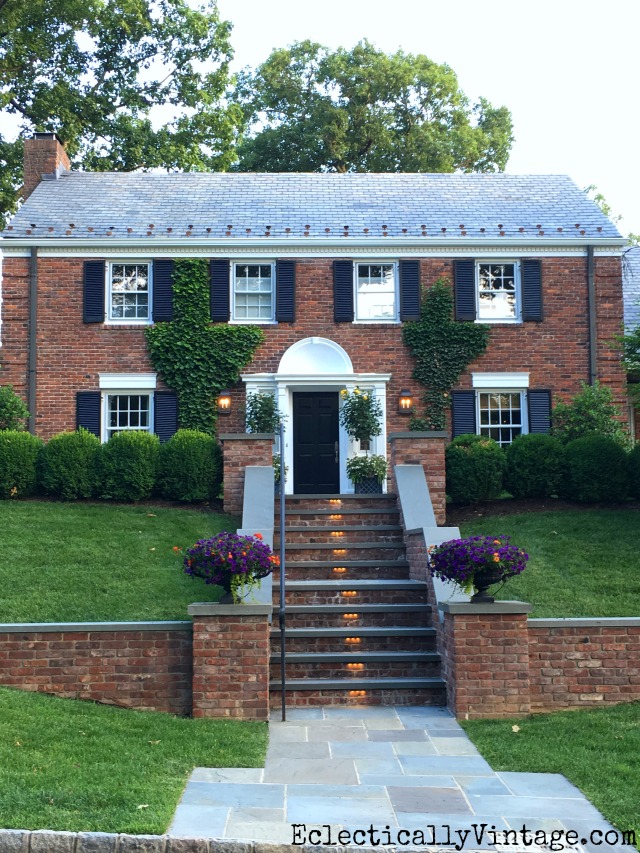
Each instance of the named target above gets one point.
<point>500,380</point>
<point>127,381</point>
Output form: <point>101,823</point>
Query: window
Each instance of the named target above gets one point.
<point>253,292</point>
<point>376,292</point>
<point>127,412</point>
<point>129,292</point>
<point>501,415</point>
<point>498,291</point>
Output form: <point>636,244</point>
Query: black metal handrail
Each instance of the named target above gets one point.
<point>282,609</point>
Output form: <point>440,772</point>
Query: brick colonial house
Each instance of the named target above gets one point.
<point>330,266</point>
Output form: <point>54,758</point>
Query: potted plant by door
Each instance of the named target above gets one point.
<point>360,415</point>
<point>477,563</point>
<point>367,473</point>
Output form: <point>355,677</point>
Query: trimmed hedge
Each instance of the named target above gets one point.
<point>18,456</point>
<point>67,465</point>
<point>127,466</point>
<point>634,472</point>
<point>596,470</point>
<point>475,468</point>
<point>190,467</point>
<point>535,466</point>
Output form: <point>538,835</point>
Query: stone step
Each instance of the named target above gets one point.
<point>312,551</point>
<point>335,502</point>
<point>359,691</point>
<point>386,638</point>
<point>363,592</point>
<point>343,569</point>
<point>333,535</point>
<point>365,615</point>
<point>358,665</point>
<point>348,517</point>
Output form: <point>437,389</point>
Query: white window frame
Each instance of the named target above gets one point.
<point>127,321</point>
<point>124,392</point>
<point>524,420</point>
<point>127,384</point>
<point>253,321</point>
<point>518,289</point>
<point>396,292</point>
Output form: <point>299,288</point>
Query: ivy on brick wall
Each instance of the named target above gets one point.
<point>443,348</point>
<point>196,359</point>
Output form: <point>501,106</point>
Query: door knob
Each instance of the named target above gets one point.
<point>337,449</point>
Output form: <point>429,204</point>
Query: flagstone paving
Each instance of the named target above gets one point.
<point>410,768</point>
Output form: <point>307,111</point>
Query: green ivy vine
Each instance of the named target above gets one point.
<point>195,358</point>
<point>443,348</point>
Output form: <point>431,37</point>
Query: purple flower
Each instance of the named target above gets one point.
<point>460,560</point>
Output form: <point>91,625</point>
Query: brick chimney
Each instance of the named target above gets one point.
<point>44,156</point>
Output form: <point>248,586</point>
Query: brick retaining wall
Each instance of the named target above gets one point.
<point>239,451</point>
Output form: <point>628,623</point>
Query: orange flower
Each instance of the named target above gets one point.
<point>496,558</point>
<point>257,535</point>
<point>176,548</point>
<point>274,559</point>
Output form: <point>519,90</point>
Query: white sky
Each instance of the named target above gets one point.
<point>567,69</point>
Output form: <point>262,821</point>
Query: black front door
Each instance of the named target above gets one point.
<point>315,443</point>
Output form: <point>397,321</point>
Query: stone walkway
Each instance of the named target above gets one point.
<point>404,768</point>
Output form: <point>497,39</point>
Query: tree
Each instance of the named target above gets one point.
<point>362,110</point>
<point>95,71</point>
<point>596,196</point>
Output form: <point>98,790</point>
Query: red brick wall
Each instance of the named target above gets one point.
<point>238,452</point>
<point>428,452</point>
<point>146,670</point>
<point>41,157</point>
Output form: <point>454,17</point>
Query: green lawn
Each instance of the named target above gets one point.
<point>75,766</point>
<point>95,562</point>
<point>596,749</point>
<point>581,563</point>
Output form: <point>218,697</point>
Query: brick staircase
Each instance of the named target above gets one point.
<point>358,630</point>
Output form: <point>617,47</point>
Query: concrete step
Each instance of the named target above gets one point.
<point>358,665</point>
<point>361,592</point>
<point>343,569</point>
<point>385,638</point>
<point>333,535</point>
<point>339,501</point>
<point>341,515</point>
<point>360,691</point>
<point>346,551</point>
<point>366,615</point>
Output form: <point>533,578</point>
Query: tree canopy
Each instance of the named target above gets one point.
<point>310,109</point>
<point>96,70</point>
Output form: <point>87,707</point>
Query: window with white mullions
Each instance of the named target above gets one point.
<point>498,291</point>
<point>127,412</point>
<point>376,290</point>
<point>253,292</point>
<point>501,415</point>
<point>129,292</point>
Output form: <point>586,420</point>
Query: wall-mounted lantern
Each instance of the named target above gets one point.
<point>224,403</point>
<point>405,403</point>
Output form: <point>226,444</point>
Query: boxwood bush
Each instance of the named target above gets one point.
<point>67,465</point>
<point>596,470</point>
<point>127,466</point>
<point>535,466</point>
<point>18,457</point>
<point>475,468</point>
<point>190,467</point>
<point>634,472</point>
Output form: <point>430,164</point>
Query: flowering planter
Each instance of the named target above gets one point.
<point>481,582</point>
<point>368,486</point>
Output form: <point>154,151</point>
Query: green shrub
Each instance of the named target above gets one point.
<point>596,470</point>
<point>535,466</point>
<point>262,413</point>
<point>67,465</point>
<point>18,456</point>
<point>591,411</point>
<point>475,469</point>
<point>127,466</point>
<point>13,412</point>
<point>634,472</point>
<point>190,467</point>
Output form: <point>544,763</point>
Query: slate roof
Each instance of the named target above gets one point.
<point>485,206</point>
<point>631,287</point>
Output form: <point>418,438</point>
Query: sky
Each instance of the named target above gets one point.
<point>568,70</point>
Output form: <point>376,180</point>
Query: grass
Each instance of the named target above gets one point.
<point>95,562</point>
<point>596,749</point>
<point>581,563</point>
<point>77,766</point>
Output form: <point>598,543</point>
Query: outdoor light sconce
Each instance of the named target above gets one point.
<point>224,403</point>
<point>405,403</point>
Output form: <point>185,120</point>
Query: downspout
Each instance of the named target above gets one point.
<point>593,342</point>
<point>33,330</point>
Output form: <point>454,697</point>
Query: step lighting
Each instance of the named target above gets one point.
<point>339,570</point>
<point>355,666</point>
<point>335,516</point>
<point>335,501</point>
<point>339,550</point>
<point>349,593</point>
<point>353,640</point>
<point>357,693</point>
<point>337,532</point>
<point>350,615</point>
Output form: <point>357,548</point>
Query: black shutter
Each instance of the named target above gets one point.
<point>539,405</point>
<point>94,275</point>
<point>285,291</point>
<point>88,411</point>
<point>162,290</point>
<point>463,412</point>
<point>409,290</point>
<point>465,289</point>
<point>343,291</point>
<point>220,292</point>
<point>531,290</point>
<point>165,414</point>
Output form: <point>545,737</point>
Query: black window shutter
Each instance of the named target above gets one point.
<point>165,414</point>
<point>88,411</point>
<point>162,290</point>
<point>343,291</point>
<point>531,290</point>
<point>463,412</point>
<point>464,274</point>
<point>220,293</point>
<point>409,290</point>
<point>539,405</point>
<point>94,275</point>
<point>285,291</point>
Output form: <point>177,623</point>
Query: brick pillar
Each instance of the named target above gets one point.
<point>231,660</point>
<point>485,659</point>
<point>426,449</point>
<point>238,452</point>
<point>43,155</point>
